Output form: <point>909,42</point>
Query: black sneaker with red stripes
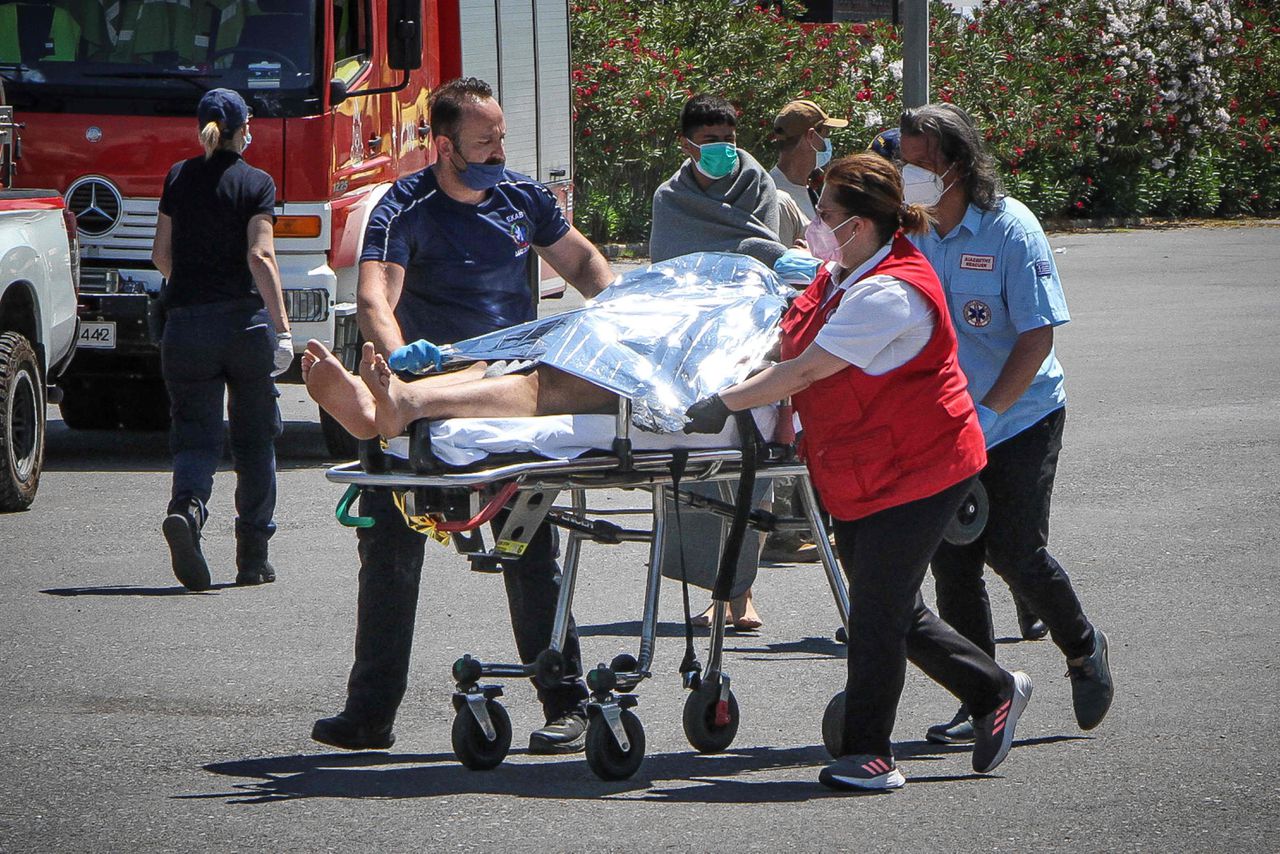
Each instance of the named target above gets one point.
<point>862,771</point>
<point>993,732</point>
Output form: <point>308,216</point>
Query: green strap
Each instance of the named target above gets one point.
<point>343,512</point>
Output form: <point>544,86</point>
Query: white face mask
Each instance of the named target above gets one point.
<point>922,187</point>
<point>822,156</point>
<point>822,239</point>
<point>248,140</point>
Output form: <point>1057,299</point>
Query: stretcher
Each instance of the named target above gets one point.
<point>454,502</point>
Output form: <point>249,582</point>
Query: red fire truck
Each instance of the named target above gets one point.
<point>338,88</point>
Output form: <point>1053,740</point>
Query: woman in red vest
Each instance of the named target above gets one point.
<point>893,444</point>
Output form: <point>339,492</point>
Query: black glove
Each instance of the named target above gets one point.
<point>707,415</point>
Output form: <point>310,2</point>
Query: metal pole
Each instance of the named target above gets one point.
<point>915,53</point>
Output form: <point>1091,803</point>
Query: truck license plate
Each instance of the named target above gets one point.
<point>97,336</point>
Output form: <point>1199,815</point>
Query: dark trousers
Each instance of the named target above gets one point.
<point>207,349</point>
<point>390,571</point>
<point>885,556</point>
<point>1019,483</point>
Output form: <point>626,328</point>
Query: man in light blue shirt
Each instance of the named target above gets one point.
<point>1005,299</point>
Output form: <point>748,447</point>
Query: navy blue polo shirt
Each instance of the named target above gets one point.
<point>210,203</point>
<point>466,266</point>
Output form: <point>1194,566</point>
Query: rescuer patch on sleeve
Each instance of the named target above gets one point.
<point>1044,268</point>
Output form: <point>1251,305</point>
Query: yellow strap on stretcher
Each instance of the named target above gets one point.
<point>423,524</point>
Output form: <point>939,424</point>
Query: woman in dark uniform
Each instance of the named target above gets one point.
<point>892,442</point>
<point>226,329</point>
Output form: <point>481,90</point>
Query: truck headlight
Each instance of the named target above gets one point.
<point>306,305</point>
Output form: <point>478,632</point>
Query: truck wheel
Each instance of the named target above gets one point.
<point>338,442</point>
<point>144,405</point>
<point>87,409</point>
<point>21,422</point>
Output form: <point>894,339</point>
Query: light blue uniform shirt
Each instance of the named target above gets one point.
<point>1000,280</point>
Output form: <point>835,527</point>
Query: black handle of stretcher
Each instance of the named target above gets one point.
<point>727,574</point>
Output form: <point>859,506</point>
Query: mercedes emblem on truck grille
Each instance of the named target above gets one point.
<point>96,204</point>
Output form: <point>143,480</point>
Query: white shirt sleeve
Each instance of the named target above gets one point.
<point>881,324</point>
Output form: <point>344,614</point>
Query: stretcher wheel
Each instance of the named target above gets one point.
<point>549,668</point>
<point>623,663</point>
<point>709,726</point>
<point>471,746</point>
<point>607,760</point>
<point>833,726</point>
<point>970,520</point>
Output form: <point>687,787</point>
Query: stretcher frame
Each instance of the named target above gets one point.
<point>615,741</point>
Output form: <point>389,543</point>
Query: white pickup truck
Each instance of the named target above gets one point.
<point>39,275</point>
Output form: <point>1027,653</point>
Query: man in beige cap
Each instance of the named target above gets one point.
<point>802,131</point>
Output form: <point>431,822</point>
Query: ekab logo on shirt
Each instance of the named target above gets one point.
<point>519,231</point>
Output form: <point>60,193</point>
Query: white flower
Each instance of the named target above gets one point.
<point>1157,163</point>
<point>873,119</point>
<point>876,55</point>
<point>895,68</point>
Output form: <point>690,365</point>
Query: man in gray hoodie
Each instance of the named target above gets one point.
<point>720,199</point>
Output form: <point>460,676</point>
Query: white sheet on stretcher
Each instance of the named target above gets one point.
<point>462,441</point>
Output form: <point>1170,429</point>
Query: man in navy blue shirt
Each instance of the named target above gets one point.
<point>446,257</point>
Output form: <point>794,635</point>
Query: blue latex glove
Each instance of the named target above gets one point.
<point>796,267</point>
<point>416,358</point>
<point>987,419</point>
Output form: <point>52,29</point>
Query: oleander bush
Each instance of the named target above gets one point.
<point>1093,107</point>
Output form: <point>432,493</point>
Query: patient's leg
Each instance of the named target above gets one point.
<point>544,391</point>
<point>338,392</point>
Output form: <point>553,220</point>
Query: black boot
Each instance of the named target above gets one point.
<point>252,566</point>
<point>182,524</point>
<point>1031,626</point>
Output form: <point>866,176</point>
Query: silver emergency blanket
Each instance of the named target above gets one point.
<point>665,336</point>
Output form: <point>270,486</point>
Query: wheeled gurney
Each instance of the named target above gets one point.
<point>441,499</point>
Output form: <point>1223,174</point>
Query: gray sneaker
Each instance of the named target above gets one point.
<point>565,734</point>
<point>1091,687</point>
<point>959,730</point>
<point>993,732</point>
<point>862,771</point>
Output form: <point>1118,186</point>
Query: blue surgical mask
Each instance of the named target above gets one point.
<point>717,159</point>
<point>480,176</point>
<point>823,155</point>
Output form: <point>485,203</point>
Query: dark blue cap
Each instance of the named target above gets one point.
<point>225,107</point>
<point>886,143</point>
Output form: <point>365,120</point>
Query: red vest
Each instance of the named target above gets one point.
<point>876,442</point>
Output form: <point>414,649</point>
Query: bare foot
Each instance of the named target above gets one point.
<point>338,393</point>
<point>703,620</point>
<point>393,408</point>
<point>741,614</point>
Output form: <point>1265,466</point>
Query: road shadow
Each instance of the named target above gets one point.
<point>390,775</point>
<point>678,777</point>
<point>301,446</point>
<point>133,590</point>
<point>735,640</point>
<point>631,629</point>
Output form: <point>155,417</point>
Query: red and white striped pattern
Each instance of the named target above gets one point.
<point>877,766</point>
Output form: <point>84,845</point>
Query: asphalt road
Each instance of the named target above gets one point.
<point>138,717</point>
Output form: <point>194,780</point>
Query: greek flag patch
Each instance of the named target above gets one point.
<point>1044,268</point>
